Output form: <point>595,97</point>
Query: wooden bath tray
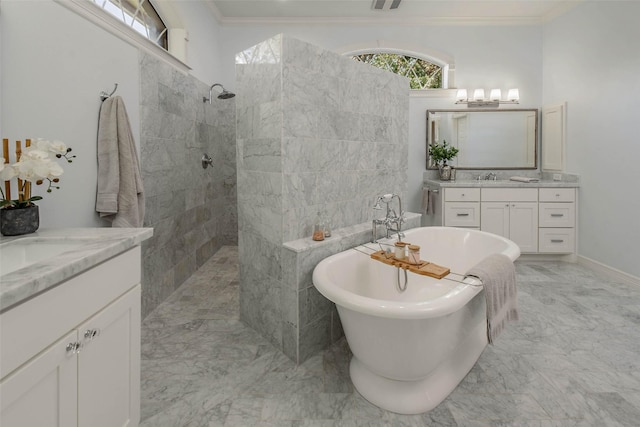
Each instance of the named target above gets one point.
<point>424,268</point>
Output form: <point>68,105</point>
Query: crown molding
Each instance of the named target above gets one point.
<point>416,21</point>
<point>560,10</point>
<point>215,10</point>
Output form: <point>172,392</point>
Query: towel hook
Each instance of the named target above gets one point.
<point>104,95</point>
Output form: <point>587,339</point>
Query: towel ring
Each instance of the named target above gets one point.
<point>104,95</point>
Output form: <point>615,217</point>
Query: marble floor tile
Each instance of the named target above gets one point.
<point>571,361</point>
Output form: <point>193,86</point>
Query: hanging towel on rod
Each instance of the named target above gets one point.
<point>120,197</point>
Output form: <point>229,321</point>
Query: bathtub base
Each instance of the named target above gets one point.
<point>416,397</point>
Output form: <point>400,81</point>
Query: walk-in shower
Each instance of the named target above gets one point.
<point>225,94</point>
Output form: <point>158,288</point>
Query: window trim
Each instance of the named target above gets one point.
<point>92,12</point>
<point>380,46</point>
<point>357,57</point>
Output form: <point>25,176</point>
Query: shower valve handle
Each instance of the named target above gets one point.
<point>206,161</point>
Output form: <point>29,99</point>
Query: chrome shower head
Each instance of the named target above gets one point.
<point>225,94</point>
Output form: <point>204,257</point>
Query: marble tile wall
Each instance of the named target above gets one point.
<point>316,132</point>
<point>193,210</point>
<point>311,322</point>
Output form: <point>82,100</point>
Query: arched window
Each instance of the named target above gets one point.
<point>139,15</point>
<point>422,74</point>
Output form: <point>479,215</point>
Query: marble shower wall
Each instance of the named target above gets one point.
<point>193,210</point>
<point>316,132</point>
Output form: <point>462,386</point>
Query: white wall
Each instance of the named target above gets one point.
<point>54,65</point>
<point>592,61</point>
<point>485,56</point>
<point>203,48</point>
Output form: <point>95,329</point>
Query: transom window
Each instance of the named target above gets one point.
<point>139,15</point>
<point>421,73</point>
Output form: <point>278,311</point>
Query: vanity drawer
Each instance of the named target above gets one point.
<point>462,195</point>
<point>557,214</point>
<point>462,214</point>
<point>509,194</point>
<point>556,240</point>
<point>557,195</point>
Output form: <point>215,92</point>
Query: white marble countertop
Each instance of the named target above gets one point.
<point>96,246</point>
<point>500,183</point>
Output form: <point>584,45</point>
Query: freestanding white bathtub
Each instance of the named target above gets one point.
<point>412,348</point>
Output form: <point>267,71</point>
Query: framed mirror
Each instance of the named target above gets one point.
<point>486,139</point>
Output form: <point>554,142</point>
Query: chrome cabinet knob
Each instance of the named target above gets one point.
<point>73,348</point>
<point>90,334</point>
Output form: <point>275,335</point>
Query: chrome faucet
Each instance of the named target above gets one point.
<point>488,176</point>
<point>391,218</point>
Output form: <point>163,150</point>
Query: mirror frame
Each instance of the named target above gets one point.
<point>484,110</point>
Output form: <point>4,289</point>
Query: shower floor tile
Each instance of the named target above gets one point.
<point>572,360</point>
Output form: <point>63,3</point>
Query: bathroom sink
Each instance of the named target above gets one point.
<point>26,251</point>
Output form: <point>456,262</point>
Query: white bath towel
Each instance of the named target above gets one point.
<point>498,276</point>
<point>523,179</point>
<point>120,197</point>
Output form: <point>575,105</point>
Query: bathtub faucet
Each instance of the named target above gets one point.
<point>391,218</point>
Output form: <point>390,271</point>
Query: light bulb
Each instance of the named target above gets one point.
<point>496,95</point>
<point>461,95</point>
<point>478,95</point>
<point>513,95</point>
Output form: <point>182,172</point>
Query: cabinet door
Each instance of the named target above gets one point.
<point>109,365</point>
<point>43,392</point>
<point>523,226</point>
<point>553,137</point>
<point>494,218</point>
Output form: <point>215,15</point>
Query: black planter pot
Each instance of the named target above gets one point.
<point>14,222</point>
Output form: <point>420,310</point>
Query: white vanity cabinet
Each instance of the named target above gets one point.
<point>557,220</point>
<point>511,213</point>
<point>540,220</point>
<point>462,207</point>
<point>71,355</point>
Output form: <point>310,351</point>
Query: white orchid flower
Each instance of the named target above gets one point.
<point>37,163</point>
<point>55,147</point>
<point>55,170</point>
<point>32,153</point>
<point>6,171</point>
<point>37,168</point>
<point>58,147</point>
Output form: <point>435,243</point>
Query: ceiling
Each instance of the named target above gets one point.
<point>445,12</point>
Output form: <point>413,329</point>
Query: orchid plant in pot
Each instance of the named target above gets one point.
<point>35,164</point>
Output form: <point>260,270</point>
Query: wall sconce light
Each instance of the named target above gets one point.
<point>494,100</point>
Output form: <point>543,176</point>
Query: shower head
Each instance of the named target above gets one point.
<point>225,94</point>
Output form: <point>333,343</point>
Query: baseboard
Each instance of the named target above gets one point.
<point>609,272</point>
<point>547,257</point>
